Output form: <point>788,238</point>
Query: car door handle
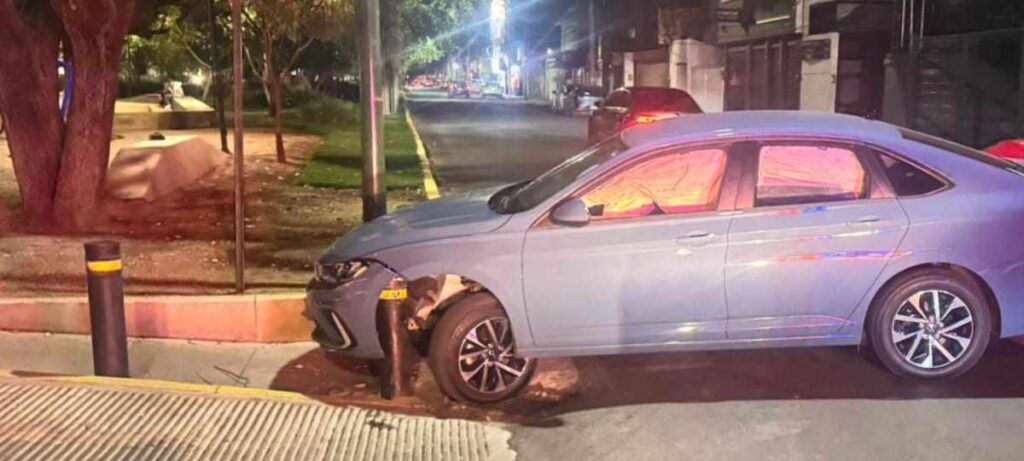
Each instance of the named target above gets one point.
<point>864,220</point>
<point>695,238</point>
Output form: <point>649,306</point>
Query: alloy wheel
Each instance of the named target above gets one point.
<point>932,329</point>
<point>487,360</point>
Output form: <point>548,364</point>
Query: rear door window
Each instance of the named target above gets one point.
<point>803,173</point>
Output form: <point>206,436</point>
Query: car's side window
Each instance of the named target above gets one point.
<point>906,179</point>
<point>677,182</point>
<point>802,173</point>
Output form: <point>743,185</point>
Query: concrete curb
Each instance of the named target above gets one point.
<point>166,386</point>
<point>429,184</point>
<point>255,318</point>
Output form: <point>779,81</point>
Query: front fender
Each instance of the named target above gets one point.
<point>493,260</point>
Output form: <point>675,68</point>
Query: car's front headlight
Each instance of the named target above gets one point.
<point>338,272</point>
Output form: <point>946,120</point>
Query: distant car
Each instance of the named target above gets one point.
<point>492,90</point>
<point>719,231</point>
<point>629,106</point>
<point>458,90</point>
<point>586,101</point>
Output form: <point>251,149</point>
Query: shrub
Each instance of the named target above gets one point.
<point>327,110</point>
<point>298,98</point>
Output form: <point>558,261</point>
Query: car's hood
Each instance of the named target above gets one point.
<point>451,216</point>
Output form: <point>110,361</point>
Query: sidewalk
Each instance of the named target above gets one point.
<point>51,418</point>
<point>199,362</point>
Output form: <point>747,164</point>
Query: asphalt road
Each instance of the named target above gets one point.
<point>477,143</point>
<point>811,403</point>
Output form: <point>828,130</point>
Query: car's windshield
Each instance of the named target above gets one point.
<point>528,194</point>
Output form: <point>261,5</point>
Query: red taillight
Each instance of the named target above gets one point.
<point>650,117</point>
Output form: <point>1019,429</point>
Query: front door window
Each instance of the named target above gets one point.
<point>674,183</point>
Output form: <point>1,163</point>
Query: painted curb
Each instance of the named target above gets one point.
<point>429,184</point>
<point>255,318</point>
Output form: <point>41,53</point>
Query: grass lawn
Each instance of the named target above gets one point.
<point>338,162</point>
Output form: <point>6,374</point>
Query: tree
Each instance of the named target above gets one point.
<point>284,29</point>
<point>417,33</point>
<point>28,92</point>
<point>60,166</point>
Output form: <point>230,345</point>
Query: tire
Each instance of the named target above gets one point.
<point>914,345</point>
<point>450,338</point>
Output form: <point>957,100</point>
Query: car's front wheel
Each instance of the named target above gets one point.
<point>473,353</point>
<point>931,324</point>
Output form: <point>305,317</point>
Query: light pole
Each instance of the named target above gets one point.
<point>374,198</point>
<point>236,32</point>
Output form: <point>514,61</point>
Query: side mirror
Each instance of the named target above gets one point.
<point>572,213</point>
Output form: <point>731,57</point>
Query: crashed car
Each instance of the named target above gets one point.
<point>699,232</point>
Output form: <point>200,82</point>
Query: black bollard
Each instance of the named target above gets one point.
<point>396,380</point>
<point>106,308</point>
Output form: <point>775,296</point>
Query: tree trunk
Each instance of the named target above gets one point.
<point>207,85</point>
<point>28,95</point>
<point>278,115</point>
<point>96,32</point>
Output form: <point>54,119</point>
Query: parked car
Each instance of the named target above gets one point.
<point>629,106</point>
<point>585,101</point>
<point>718,231</point>
<point>492,90</point>
<point>458,90</point>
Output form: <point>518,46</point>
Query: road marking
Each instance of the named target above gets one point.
<point>429,184</point>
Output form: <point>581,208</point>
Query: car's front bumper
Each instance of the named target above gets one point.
<point>345,315</point>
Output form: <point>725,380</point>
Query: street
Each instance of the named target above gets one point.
<point>475,144</point>
<point>835,403</point>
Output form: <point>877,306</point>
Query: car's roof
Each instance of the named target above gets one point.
<point>692,127</point>
<point>651,89</point>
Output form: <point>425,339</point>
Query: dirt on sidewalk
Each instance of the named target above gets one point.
<point>183,243</point>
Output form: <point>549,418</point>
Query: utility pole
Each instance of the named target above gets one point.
<point>236,32</point>
<point>218,88</point>
<point>374,198</point>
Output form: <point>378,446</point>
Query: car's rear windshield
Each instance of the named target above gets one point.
<point>645,99</point>
<point>962,150</point>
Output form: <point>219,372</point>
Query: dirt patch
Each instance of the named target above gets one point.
<point>184,243</point>
<point>338,380</point>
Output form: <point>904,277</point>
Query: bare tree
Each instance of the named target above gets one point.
<point>284,29</point>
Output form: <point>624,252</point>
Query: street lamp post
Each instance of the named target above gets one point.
<point>236,32</point>
<point>374,199</point>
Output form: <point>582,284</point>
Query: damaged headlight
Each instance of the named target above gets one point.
<point>338,272</point>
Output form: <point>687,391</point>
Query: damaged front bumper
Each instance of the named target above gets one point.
<point>345,314</point>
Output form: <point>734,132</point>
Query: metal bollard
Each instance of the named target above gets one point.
<point>396,380</point>
<point>106,308</point>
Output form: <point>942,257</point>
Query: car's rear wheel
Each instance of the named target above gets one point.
<point>931,324</point>
<point>473,353</point>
